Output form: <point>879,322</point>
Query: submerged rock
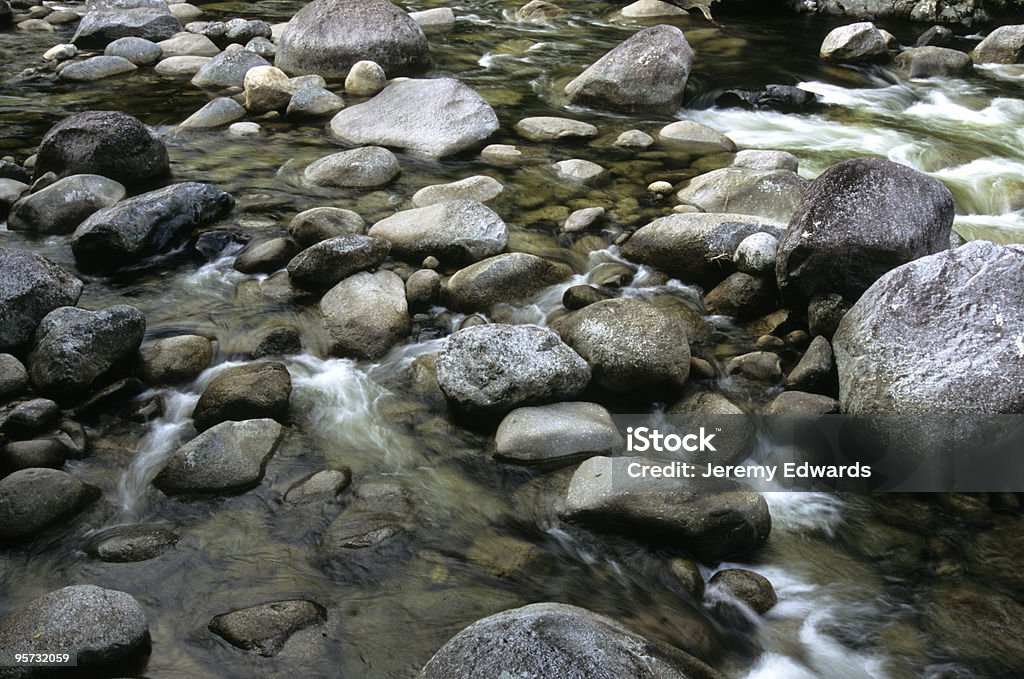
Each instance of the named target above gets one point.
<point>255,390</point>
<point>131,544</point>
<point>96,68</point>
<point>62,206</point>
<point>266,627</point>
<point>227,458</point>
<point>430,118</point>
<point>366,167</point>
<point>480,188</point>
<point>647,72</point>
<point>366,314</point>
<point>454,231</point>
<point>549,128</point>
<point>31,287</point>
<point>216,113</point>
<point>32,500</point>
<point>498,367</point>
<point>558,640</point>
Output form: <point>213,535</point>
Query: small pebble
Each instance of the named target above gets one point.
<point>661,188</point>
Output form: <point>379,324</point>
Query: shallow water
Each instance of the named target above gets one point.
<point>483,535</point>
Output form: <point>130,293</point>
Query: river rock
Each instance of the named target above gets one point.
<point>436,20</point>
<point>499,367</point>
<point>647,9</point>
<point>857,220</point>
<point>430,118</point>
<point>228,69</point>
<point>538,11</point>
<point>647,72</point>
<point>714,519</point>
<point>578,170</point>
<point>365,79</point>
<point>1004,45</point>
<point>423,287</point>
<point>139,51</point>
<point>695,139</point>
<point>320,223</point>
<point>752,589</point>
<point>266,257</point>
<point>453,231</point>
<point>801,404</point>
<point>770,194</point>
<point>556,433</point>
<point>30,417</point>
<point>932,62</point>
<point>227,458</point>
<point>100,27</point>
<point>511,278</point>
<point>188,45</point>
<point>10,191</point>
<point>549,128</point>
<point>813,371</point>
<point>267,89</point>
<point>694,247</point>
<point>37,453</point>
<point>366,314</point>
<point>216,113</point>
<point>972,626</point>
<point>328,36</point>
<point>96,68</point>
<point>362,168</point>
<point>325,264</point>
<point>756,254</point>
<point>311,101</point>
<point>100,626</point>
<point>254,390</point>
<point>937,334</point>
<point>742,296</point>
<point>131,544</point>
<point>263,47</point>
<point>558,640</point>
<point>283,340</point>
<point>31,287</point>
<point>766,160</point>
<point>323,486</point>
<point>13,377</point>
<point>11,170</point>
<point>634,139</point>
<point>266,627</point>
<point>763,366</point>
<point>175,360</point>
<point>180,67</point>
<point>630,344</point>
<point>107,143</point>
<point>32,500</point>
<point>479,187</point>
<point>147,224</point>
<point>583,219</point>
<point>62,206</point>
<point>854,43</point>
<point>579,296</point>
<point>74,350</point>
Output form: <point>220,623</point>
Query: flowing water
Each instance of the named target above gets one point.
<point>484,537</point>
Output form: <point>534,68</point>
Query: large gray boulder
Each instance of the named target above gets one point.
<point>227,458</point>
<point>631,345</point>
<point>556,433</point>
<point>495,368</point>
<point>100,626</point>
<point>511,278</point>
<point>931,62</point>
<point>254,390</point>
<point>695,247</point>
<point>854,43</point>
<point>74,350</point>
<point>455,231</point>
<point>429,118</point>
<point>769,194</point>
<point>32,500</point>
<point>30,287</point>
<point>62,206</point>
<point>558,640</point>
<point>146,224</point>
<point>327,263</point>
<point>647,72</point>
<point>107,23</point>
<point>1004,45</point>
<point>327,37</point>
<point>108,143</point>
<point>857,220</point>
<point>366,314</point>
<point>175,360</point>
<point>228,69</point>
<point>714,519</point>
<point>940,334</point>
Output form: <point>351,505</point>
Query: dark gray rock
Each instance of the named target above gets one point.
<point>102,26</point>
<point>802,404</point>
<point>556,433</point>
<point>423,287</point>
<point>735,431</point>
<point>763,366</point>
<point>361,168</point>
<point>175,360</point>
<point>579,296</point>
<point>511,278</point>
<point>30,417</point>
<point>327,37</point>
<point>322,486</point>
<point>147,224</point>
<point>814,371</point>
<point>13,377</point>
<point>139,51</point>
<point>325,264</point>
<point>266,627</point>
<point>280,341</point>
<point>62,206</point>
<point>100,626</point>
<point>131,544</point>
<point>937,335</point>
<point>752,589</point>
<point>255,390</point>
<point>859,219</point>
<point>108,143</point>
<point>714,519</point>
<point>227,69</point>
<point>824,313</point>
<point>36,453</point>
<point>742,296</point>
<point>647,72</point>
<point>266,257</point>
<point>227,458</point>
<point>631,345</point>
<point>240,31</point>
<point>932,62</point>
<point>366,314</point>
<point>558,640</point>
<point>32,500</point>
<point>215,113</point>
<point>73,350</point>
<point>321,223</point>
<point>313,102</point>
<point>499,367</point>
<point>96,68</point>
<point>695,248</point>
<point>454,231</point>
<point>10,170</point>
<point>430,118</point>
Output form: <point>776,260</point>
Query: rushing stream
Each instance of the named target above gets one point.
<point>483,540</point>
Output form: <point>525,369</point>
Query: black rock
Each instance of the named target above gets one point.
<point>784,98</point>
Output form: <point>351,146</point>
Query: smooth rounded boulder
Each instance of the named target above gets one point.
<point>366,314</point>
<point>362,168</point>
<point>932,62</point>
<point>511,278</point>
<point>1004,45</point>
<point>32,500</point>
<point>556,433</point>
<point>558,640</point>
<point>769,194</point>
<point>454,231</point>
<point>498,367</point>
<point>327,37</point>
<point>60,207</point>
<point>647,72</point>
<point>105,23</point>
<point>30,287</point>
<point>327,263</point>
<point>854,43</point>
<point>940,334</point>
<point>857,220</point>
<point>108,143</point>
<point>253,390</point>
